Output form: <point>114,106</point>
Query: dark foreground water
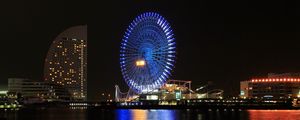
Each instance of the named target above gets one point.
<point>148,114</point>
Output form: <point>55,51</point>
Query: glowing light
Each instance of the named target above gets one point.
<point>147,53</point>
<point>140,63</point>
<point>139,115</point>
<point>123,114</point>
<point>276,80</point>
<point>3,92</point>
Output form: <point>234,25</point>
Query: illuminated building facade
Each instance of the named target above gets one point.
<point>41,90</point>
<point>66,62</point>
<point>281,86</point>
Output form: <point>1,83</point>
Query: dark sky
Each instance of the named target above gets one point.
<point>220,41</point>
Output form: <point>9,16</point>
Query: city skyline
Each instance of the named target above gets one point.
<point>214,44</point>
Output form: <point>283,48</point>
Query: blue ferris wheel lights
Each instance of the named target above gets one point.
<point>147,52</point>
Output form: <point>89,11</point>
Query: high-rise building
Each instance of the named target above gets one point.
<point>66,62</point>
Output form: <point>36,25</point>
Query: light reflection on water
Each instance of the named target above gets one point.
<point>187,114</point>
<point>274,114</point>
<point>140,114</point>
<point>147,114</point>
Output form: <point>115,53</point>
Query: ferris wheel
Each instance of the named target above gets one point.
<point>147,53</point>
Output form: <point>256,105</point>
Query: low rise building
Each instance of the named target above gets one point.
<point>281,86</point>
<point>31,90</point>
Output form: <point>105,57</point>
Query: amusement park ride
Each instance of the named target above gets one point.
<point>147,58</point>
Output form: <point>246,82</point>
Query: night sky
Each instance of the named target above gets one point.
<point>220,41</point>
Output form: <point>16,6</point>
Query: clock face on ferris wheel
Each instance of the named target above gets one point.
<point>147,53</point>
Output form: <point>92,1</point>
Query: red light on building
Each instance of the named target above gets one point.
<point>276,80</point>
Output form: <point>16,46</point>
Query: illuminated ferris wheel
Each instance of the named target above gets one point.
<point>147,53</point>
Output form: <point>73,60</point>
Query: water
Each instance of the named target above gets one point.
<point>150,114</point>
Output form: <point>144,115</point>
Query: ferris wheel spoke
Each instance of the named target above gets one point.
<point>159,68</point>
<point>165,48</point>
<point>153,68</point>
<point>130,45</point>
<point>131,69</point>
<point>164,66</point>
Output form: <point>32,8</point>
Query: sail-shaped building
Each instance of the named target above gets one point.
<point>66,62</point>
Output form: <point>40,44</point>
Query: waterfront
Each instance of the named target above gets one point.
<point>81,113</point>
